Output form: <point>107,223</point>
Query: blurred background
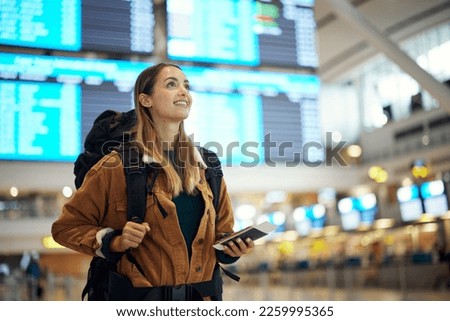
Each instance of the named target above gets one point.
<point>331,118</point>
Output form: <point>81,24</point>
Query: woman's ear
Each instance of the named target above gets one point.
<point>145,100</point>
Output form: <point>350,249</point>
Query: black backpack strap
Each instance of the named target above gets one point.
<point>213,174</point>
<point>136,173</point>
<point>136,181</point>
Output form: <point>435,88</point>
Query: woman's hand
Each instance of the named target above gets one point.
<point>132,235</point>
<point>239,247</point>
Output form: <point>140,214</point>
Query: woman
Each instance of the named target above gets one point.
<point>171,251</point>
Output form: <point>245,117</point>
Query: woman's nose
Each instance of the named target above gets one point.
<point>183,91</point>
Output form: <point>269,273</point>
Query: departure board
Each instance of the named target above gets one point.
<point>255,116</point>
<point>41,24</point>
<point>119,26</point>
<point>39,121</point>
<point>242,32</point>
<point>48,104</point>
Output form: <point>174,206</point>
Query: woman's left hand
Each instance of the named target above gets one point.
<point>239,247</point>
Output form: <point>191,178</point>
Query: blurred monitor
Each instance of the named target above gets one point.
<point>368,207</point>
<point>357,212</point>
<point>309,218</point>
<point>435,199</point>
<point>410,203</point>
<point>349,213</point>
<point>277,218</point>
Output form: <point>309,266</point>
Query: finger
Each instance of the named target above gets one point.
<point>138,230</point>
<point>228,251</point>
<point>233,249</point>
<point>127,243</point>
<point>250,243</point>
<point>146,226</point>
<point>133,235</point>
<point>141,227</point>
<point>130,244</point>
<point>241,245</point>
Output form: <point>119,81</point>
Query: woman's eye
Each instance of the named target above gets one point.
<point>171,84</point>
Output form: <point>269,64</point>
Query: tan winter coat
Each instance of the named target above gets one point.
<point>100,205</point>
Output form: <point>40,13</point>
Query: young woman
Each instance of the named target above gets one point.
<point>172,251</point>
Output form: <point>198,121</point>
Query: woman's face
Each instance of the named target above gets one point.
<point>170,100</point>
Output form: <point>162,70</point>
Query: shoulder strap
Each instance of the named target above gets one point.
<point>213,174</point>
<point>136,180</point>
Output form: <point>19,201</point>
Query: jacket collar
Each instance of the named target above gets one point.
<point>147,159</point>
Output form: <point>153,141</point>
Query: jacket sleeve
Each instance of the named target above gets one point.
<point>78,226</point>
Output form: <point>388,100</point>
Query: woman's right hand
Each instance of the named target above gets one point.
<point>132,235</point>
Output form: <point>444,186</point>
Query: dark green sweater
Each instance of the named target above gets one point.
<point>189,210</point>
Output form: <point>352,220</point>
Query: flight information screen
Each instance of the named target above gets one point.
<point>41,24</point>
<point>48,104</point>
<point>121,26</point>
<point>255,117</point>
<point>242,32</point>
<point>118,26</point>
<point>39,120</point>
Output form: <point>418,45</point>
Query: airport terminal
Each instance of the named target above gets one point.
<point>331,119</point>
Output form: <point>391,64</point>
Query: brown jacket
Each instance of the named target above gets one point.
<point>100,205</point>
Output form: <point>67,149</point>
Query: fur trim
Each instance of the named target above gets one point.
<point>147,159</point>
<point>99,237</point>
<point>198,158</point>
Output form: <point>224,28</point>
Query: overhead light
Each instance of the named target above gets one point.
<point>245,212</point>
<point>354,151</point>
<point>67,191</point>
<point>378,174</point>
<point>14,191</point>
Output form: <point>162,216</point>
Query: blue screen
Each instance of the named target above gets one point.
<point>42,24</point>
<point>43,114</point>
<point>277,218</point>
<point>74,25</point>
<point>432,189</point>
<point>358,211</point>
<point>242,32</point>
<point>435,198</point>
<point>367,206</point>
<point>240,122</point>
<point>309,218</point>
<point>39,121</point>
<point>410,202</point>
<point>233,110</point>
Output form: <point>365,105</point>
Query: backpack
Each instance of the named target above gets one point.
<point>110,132</point>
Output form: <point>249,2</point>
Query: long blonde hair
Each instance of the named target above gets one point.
<point>183,174</point>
